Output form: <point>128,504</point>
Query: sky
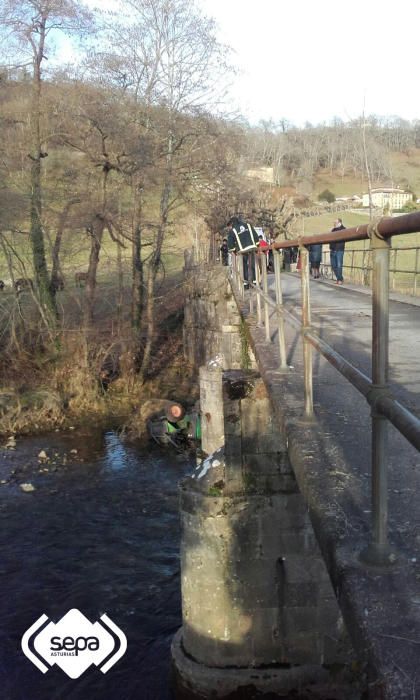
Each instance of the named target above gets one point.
<point>313,60</point>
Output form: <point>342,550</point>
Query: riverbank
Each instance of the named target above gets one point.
<point>91,378</point>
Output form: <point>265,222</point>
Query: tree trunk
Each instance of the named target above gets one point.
<point>47,299</point>
<point>156,258</point>
<point>137,289</point>
<point>96,243</point>
<point>149,323</point>
<point>56,268</point>
<point>120,295</point>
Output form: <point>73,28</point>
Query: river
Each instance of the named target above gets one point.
<point>99,533</point>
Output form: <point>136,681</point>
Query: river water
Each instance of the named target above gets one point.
<point>99,533</point>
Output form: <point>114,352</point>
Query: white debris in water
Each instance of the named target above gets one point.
<point>43,456</point>
<point>11,443</point>
<point>211,462</point>
<point>207,465</point>
<point>205,468</point>
<point>27,488</point>
<point>215,362</point>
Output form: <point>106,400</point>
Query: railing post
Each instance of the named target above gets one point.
<point>279,306</point>
<point>378,552</point>
<point>240,275</point>
<point>394,269</point>
<point>257,292</point>
<point>306,324</point>
<point>416,272</point>
<point>265,290</point>
<point>250,263</point>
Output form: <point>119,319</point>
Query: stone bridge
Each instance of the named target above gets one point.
<point>276,594</point>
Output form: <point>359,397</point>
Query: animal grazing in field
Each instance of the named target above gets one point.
<point>80,278</point>
<point>23,283</point>
<point>57,283</point>
<point>2,285</point>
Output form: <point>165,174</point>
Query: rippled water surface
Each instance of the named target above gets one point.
<point>100,533</point>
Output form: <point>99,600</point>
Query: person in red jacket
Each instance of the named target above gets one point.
<point>262,252</point>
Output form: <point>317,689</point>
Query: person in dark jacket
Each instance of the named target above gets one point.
<point>248,259</point>
<point>224,252</point>
<point>337,253</point>
<point>315,256</point>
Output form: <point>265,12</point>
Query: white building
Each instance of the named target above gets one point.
<point>388,198</point>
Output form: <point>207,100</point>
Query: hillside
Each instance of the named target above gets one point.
<point>404,169</point>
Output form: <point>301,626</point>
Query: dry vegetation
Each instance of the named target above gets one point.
<point>108,170</point>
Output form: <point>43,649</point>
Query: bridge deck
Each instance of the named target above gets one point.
<point>331,459</point>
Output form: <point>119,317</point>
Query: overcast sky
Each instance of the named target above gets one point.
<point>311,60</point>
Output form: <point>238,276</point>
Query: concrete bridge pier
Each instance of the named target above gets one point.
<point>259,612</point>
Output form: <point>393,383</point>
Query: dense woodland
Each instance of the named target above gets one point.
<point>113,163</point>
<point>339,149</point>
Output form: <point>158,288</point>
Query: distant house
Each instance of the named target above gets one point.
<point>391,197</point>
<point>349,198</point>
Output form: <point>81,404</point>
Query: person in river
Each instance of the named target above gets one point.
<point>170,424</point>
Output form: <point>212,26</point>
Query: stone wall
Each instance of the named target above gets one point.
<point>212,323</point>
<point>254,587</point>
<point>255,590</point>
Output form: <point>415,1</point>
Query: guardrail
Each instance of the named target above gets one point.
<point>384,407</point>
<point>404,268</point>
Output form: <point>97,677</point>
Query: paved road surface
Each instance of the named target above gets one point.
<point>334,471</point>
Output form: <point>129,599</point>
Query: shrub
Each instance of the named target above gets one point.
<point>326,196</point>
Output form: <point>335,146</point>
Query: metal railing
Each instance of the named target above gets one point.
<point>384,407</point>
<point>404,268</point>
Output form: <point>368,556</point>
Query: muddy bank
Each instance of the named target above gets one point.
<point>31,411</point>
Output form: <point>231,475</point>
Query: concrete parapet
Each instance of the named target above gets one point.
<point>255,590</point>
<point>212,433</point>
<point>212,323</point>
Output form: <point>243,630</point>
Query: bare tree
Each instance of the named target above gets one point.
<point>174,69</point>
<point>26,28</point>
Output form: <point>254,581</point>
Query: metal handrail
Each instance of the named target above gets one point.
<point>357,261</point>
<point>384,407</point>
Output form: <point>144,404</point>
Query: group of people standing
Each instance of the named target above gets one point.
<point>255,242</point>
<point>336,255</point>
<point>315,254</point>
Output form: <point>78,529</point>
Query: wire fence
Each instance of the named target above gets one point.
<point>404,268</point>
